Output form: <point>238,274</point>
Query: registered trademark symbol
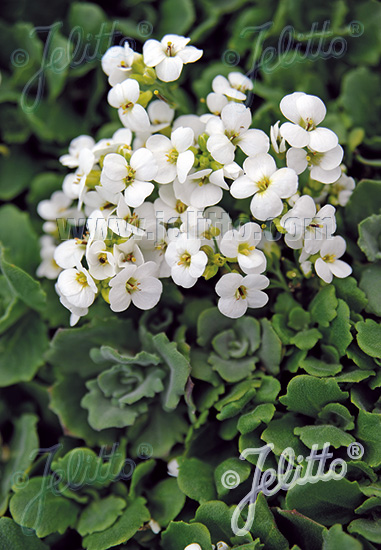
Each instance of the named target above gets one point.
<point>356,28</point>
<point>355,450</point>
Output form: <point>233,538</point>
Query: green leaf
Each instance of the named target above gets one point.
<point>174,14</point>
<point>232,370</point>
<point>81,466</point>
<point>281,432</point>
<point>357,86</point>
<point>339,334</point>
<point>180,534</point>
<point>166,501</point>
<point>111,331</point>
<point>16,171</point>
<point>369,237</point>
<point>23,285</point>
<point>216,516</point>
<point>335,538</point>
<point>337,415</point>
<point>320,434</point>
<point>100,515</point>
<point>370,529</point>
<point>251,420</point>
<point>179,368</point>
<point>368,431</point>
<point>210,323</point>
<point>133,518</point>
<point>12,537</point>
<point>370,283</point>
<point>241,468</point>
<point>307,395</point>
<point>323,306</point>
<point>300,529</point>
<point>364,201</point>
<point>369,337</point>
<point>23,442</point>
<point>12,308</point>
<point>38,506</point>
<point>265,528</point>
<point>270,352</point>
<point>320,367</point>
<point>298,319</point>
<point>18,236</point>
<point>306,339</point>
<point>196,480</point>
<point>21,350</point>
<point>348,290</point>
<point>66,395</point>
<point>327,502</point>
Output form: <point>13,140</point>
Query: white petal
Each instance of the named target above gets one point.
<point>242,188</point>
<point>153,53</point>
<point>341,269</point>
<point>136,193</point>
<point>295,135</point>
<point>253,142</point>
<point>220,84</point>
<point>169,69</point>
<point>182,139</point>
<point>119,298</point>
<point>311,107</point>
<point>325,176</point>
<point>221,149</point>
<point>332,158</point>
<point>335,246</point>
<point>323,271</point>
<point>228,284</point>
<point>256,298</point>
<point>190,54</point>
<point>206,195</point>
<point>159,144</point>
<point>260,166</point>
<point>284,182</point>
<point>236,117</point>
<point>198,263</point>
<point>182,277</point>
<point>135,118</point>
<point>322,139</point>
<point>288,106</point>
<point>149,293</point>
<point>266,205</point>
<point>69,253</point>
<point>144,163</point>
<point>232,307</point>
<point>296,159</point>
<point>184,164</point>
<point>114,167</point>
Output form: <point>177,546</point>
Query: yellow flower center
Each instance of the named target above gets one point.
<point>180,207</point>
<point>329,258</point>
<point>245,249</point>
<point>132,285</point>
<point>241,293</point>
<point>185,259</point>
<point>82,279</point>
<point>263,184</point>
<point>172,156</point>
<point>103,258</point>
<point>130,178</point>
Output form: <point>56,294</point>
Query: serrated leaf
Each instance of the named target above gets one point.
<point>370,529</point>
<point>166,501</point>
<point>369,337</point>
<point>12,537</point>
<point>368,431</point>
<point>306,339</point>
<point>323,433</point>
<point>251,420</point>
<point>270,351</point>
<point>100,515</point>
<point>335,538</point>
<point>370,283</point>
<point>180,534</point>
<point>323,306</point>
<point>339,334</point>
<point>369,237</point>
<point>196,480</point>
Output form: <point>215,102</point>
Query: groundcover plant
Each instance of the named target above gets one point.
<point>190,342</point>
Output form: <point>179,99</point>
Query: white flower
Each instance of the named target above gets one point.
<point>216,102</point>
<point>77,286</point>
<point>168,206</point>
<point>241,244</point>
<point>124,97</point>
<point>58,206</point>
<point>124,223</point>
<point>205,187</point>
<point>76,145</point>
<point>186,260</point>
<point>101,261</point>
<point>138,285</point>
<point>121,139</point>
<point>190,121</point>
<point>306,112</point>
<point>277,141</point>
<point>324,167</point>
<point>173,467</point>
<point>267,184</point>
<point>237,293</point>
<point>76,312</point>
<point>127,253</point>
<point>193,546</point>
<point>117,62</point>
<point>232,129</point>
<point>48,267</point>
<point>69,253</point>
<point>155,527</point>
<point>234,86</point>
<point>328,265</point>
<point>222,546</point>
<point>134,178</point>
<point>169,56</point>
<point>343,189</point>
<point>307,228</point>
<point>173,156</point>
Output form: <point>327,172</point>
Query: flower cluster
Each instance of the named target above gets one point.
<point>145,204</point>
